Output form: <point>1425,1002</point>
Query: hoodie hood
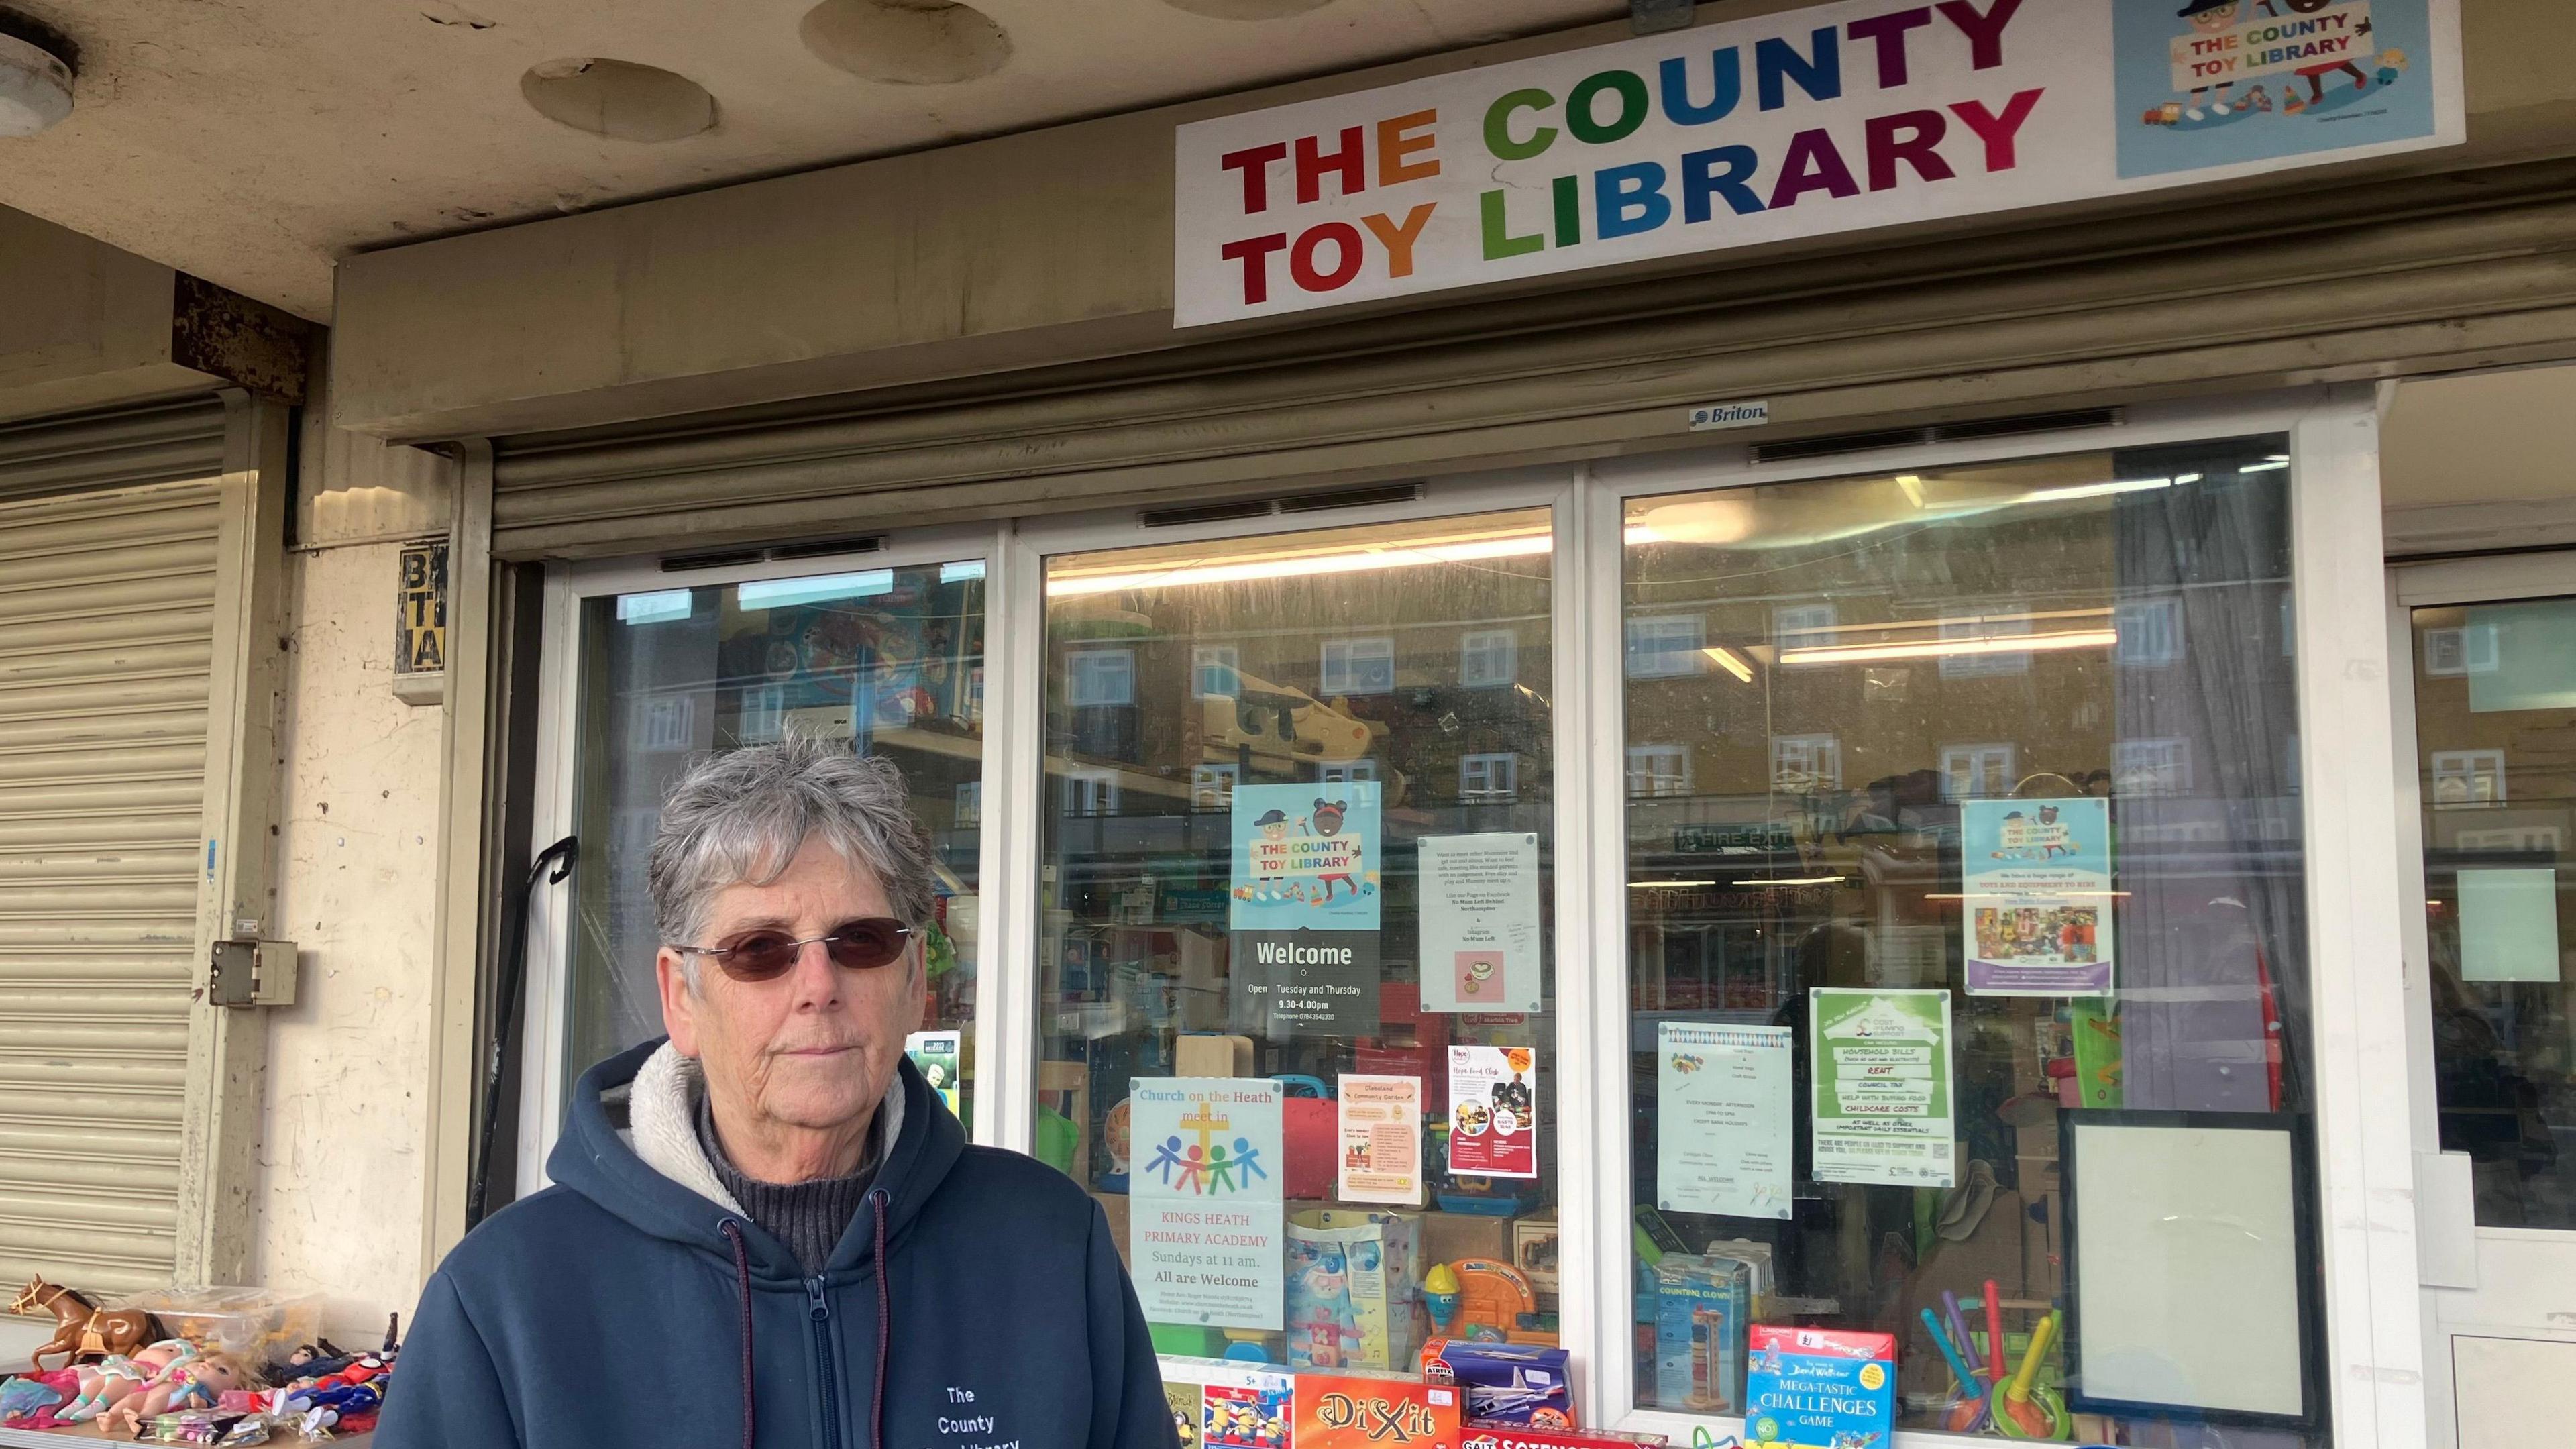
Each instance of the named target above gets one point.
<point>628,1147</point>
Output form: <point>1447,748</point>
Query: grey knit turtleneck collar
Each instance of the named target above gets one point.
<point>809,1217</point>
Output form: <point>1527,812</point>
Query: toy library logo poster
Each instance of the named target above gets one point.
<point>2211,83</point>
<point>1306,856</point>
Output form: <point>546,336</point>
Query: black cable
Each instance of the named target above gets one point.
<point>514,970</point>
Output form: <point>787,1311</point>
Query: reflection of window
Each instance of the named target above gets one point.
<point>2468,649</point>
<point>1345,772</point>
<point>2468,777</point>
<point>2151,767</point>
<point>1665,646</point>
<point>1359,666</point>
<point>1212,786</point>
<point>1100,676</point>
<point>1219,668</point>
<point>1802,626</point>
<point>970,804</point>
<point>1970,772</point>
<point>1981,665</point>
<point>660,722</point>
<point>1090,792</point>
<point>1806,762</point>
<point>763,707</point>
<point>2150,632</point>
<point>1489,778</point>
<point>1488,658</point>
<point>1659,770</point>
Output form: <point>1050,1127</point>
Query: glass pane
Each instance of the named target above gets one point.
<point>2495,712</point>
<point>1298,972</point>
<point>891,660</point>
<point>1961,802</point>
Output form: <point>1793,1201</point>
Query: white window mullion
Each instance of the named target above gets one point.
<point>1596,1300</point>
<point>1006,1024</point>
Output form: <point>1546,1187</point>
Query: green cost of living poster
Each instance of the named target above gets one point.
<point>1884,1105</point>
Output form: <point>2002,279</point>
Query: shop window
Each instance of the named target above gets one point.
<point>662,723</point>
<point>1090,792</point>
<point>1806,762</point>
<point>2151,767</point>
<point>1982,647</point>
<point>1309,994</point>
<point>1100,677</point>
<point>1489,779</point>
<point>2460,649</point>
<point>1358,666</point>
<point>1972,772</point>
<point>1655,771</point>
<point>1220,670</point>
<point>1489,659</point>
<point>1802,626</point>
<point>1864,1026</point>
<point>888,660</point>
<point>1665,646</point>
<point>2150,632</point>
<point>1212,786</point>
<point>2467,777</point>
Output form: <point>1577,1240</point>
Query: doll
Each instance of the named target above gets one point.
<point>111,1379</point>
<point>194,1384</point>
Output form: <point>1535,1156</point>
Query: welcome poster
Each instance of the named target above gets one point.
<point>1207,1224</point>
<point>1810,122</point>
<point>1304,909</point>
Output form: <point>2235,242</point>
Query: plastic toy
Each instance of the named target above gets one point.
<point>109,1381</point>
<point>83,1330</point>
<point>1505,1383</point>
<point>187,1384</point>
<point>1440,1298</point>
<point>1491,1299</point>
<point>2022,1410</point>
<point>1972,1395</point>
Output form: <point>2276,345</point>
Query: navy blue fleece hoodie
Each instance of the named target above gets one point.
<point>976,1302</point>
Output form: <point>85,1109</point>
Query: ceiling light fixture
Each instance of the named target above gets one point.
<point>1731,662</point>
<point>1945,648</point>
<point>1301,565</point>
<point>35,87</point>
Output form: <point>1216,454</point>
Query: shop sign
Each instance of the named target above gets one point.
<point>420,608</point>
<point>1833,119</point>
<point>1765,838</point>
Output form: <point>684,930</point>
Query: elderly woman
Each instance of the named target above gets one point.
<point>767,1230</point>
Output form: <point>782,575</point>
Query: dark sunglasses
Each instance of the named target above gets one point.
<point>861,945</point>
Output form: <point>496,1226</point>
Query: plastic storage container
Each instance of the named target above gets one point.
<point>256,1325</point>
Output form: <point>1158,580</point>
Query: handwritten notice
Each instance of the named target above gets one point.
<point>1480,926</point>
<point>1723,1134</point>
<point>1884,1108</point>
<point>1493,1111</point>
<point>1381,1129</point>
<point>1207,1226</point>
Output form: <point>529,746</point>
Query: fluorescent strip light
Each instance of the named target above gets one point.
<point>1912,484</point>
<point>1304,565</point>
<point>653,608</point>
<point>2096,490</point>
<point>2273,464</point>
<point>813,589</point>
<point>1818,880</point>
<point>1667,885</point>
<point>1945,648</point>
<point>1728,660</point>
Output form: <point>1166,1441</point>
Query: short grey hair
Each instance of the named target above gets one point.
<point>739,818</point>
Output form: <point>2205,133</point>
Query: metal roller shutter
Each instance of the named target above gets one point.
<point>107,618</point>
<point>2364,281</point>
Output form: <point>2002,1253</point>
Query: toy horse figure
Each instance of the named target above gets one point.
<point>82,1330</point>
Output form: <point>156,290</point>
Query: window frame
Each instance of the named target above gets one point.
<point>1350,643</point>
<point>1486,643</point>
<point>2352,869</point>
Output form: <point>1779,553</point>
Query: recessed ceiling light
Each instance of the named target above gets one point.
<point>907,42</point>
<point>1247,9</point>
<point>35,87</point>
<point>618,98</point>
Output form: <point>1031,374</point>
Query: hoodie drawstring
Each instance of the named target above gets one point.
<point>742,1282</point>
<point>885,1321</point>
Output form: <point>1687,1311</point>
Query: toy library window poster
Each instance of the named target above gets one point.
<point>1304,911</point>
<point>1207,1217</point>
<point>2037,894</point>
<point>1480,922</point>
<point>1882,1081</point>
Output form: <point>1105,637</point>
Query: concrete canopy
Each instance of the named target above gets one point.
<point>253,142</point>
